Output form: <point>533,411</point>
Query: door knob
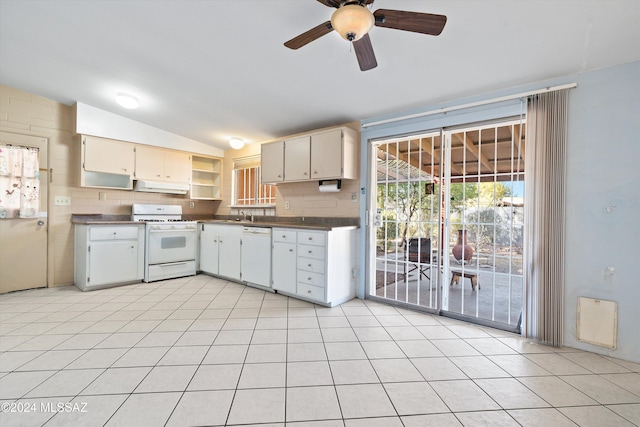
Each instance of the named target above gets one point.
<point>41,223</point>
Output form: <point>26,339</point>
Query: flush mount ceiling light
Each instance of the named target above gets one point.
<point>352,21</point>
<point>127,101</point>
<point>236,143</point>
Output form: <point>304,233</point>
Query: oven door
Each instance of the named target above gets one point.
<point>171,243</point>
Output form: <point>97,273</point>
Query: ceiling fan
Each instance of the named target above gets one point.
<point>353,20</point>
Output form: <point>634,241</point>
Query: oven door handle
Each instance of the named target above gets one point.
<point>171,264</point>
<point>174,230</point>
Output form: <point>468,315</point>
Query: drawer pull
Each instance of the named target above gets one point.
<point>308,265</point>
<point>290,250</point>
<point>309,279</point>
<point>310,252</point>
<point>310,238</point>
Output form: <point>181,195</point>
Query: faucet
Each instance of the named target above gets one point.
<point>246,214</point>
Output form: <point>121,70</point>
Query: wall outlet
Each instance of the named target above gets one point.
<point>192,205</point>
<point>354,197</point>
<point>102,195</point>
<point>287,205</point>
<point>62,201</point>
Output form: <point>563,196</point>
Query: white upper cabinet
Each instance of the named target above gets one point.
<point>272,162</point>
<point>105,163</point>
<point>322,155</point>
<point>108,155</point>
<point>327,155</point>
<point>297,153</point>
<point>158,164</point>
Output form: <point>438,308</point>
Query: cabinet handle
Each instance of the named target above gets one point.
<point>279,176</point>
<point>315,172</point>
<point>124,169</point>
<point>168,176</point>
<point>290,250</point>
<point>310,238</point>
<point>305,174</point>
<point>158,175</point>
<point>308,292</point>
<point>310,251</point>
<point>309,265</point>
<point>309,279</point>
<point>131,247</point>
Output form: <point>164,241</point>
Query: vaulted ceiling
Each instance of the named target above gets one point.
<point>212,69</point>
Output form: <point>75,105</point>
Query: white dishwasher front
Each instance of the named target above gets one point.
<point>256,256</point>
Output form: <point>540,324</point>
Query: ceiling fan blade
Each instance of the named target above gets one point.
<point>331,3</point>
<point>425,23</point>
<point>309,36</point>
<point>364,53</point>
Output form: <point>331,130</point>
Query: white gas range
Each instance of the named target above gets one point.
<point>170,242</point>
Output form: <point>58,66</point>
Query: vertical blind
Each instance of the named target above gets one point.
<point>545,216</point>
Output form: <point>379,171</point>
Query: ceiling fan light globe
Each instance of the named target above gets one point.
<point>352,21</point>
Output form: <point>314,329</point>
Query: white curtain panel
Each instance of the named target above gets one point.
<point>19,182</point>
<point>545,164</point>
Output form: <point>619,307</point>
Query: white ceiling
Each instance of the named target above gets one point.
<point>209,70</point>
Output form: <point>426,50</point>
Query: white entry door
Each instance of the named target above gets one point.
<point>23,241</point>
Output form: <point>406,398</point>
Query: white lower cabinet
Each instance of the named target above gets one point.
<point>220,250</point>
<point>319,266</point>
<point>108,255</point>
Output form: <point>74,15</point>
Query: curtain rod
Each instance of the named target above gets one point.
<point>471,104</point>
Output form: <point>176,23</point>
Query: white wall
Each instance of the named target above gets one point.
<point>93,121</point>
<point>603,169</point>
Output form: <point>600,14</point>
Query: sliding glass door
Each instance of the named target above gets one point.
<point>449,221</point>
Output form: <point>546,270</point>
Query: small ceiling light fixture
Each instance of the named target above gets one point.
<point>236,143</point>
<point>352,21</point>
<point>127,101</point>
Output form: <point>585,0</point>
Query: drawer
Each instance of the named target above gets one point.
<point>280,235</point>
<point>309,238</point>
<point>112,233</point>
<point>310,264</point>
<point>310,278</point>
<point>311,292</point>
<point>308,251</point>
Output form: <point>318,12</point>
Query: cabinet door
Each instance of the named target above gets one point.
<point>177,166</point>
<point>208,251</point>
<point>229,257</point>
<point>284,267</point>
<point>103,256</point>
<point>108,155</point>
<point>272,162</point>
<point>297,154</point>
<point>326,155</point>
<point>149,163</point>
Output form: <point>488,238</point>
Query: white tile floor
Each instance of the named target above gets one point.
<point>203,351</point>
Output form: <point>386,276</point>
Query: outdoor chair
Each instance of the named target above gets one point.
<point>419,254</point>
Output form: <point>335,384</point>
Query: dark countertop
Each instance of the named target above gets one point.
<point>279,224</point>
<point>303,223</point>
<point>101,219</point>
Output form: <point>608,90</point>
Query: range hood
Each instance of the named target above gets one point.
<point>161,187</point>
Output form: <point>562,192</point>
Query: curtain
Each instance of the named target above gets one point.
<point>545,158</point>
<point>19,182</point>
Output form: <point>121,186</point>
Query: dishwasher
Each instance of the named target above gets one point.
<point>256,256</point>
